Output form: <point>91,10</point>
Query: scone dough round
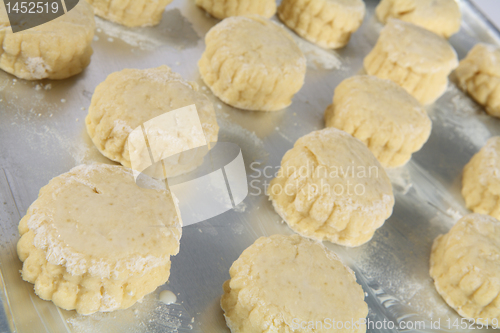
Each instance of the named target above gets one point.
<point>226,8</point>
<point>252,63</point>
<point>413,57</point>
<point>465,267</point>
<point>328,23</point>
<point>442,17</point>
<point>95,241</point>
<point>331,187</point>
<point>135,13</point>
<point>481,180</point>
<point>381,114</point>
<point>129,98</point>
<point>55,50</point>
<point>479,75</point>
<point>280,282</point>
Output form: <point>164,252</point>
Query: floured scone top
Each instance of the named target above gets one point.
<point>331,187</point>
<point>442,17</point>
<point>481,180</point>
<point>95,241</point>
<point>129,98</point>
<point>328,23</point>
<point>479,75</point>
<point>391,122</point>
<point>225,8</point>
<point>465,266</point>
<point>55,50</point>
<point>252,63</point>
<point>413,57</point>
<point>280,282</point>
<point>131,13</point>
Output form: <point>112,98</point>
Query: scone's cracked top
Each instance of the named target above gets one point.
<point>380,113</point>
<point>280,280</point>
<point>367,95</point>
<point>330,186</point>
<point>333,149</point>
<point>465,266</point>
<point>95,219</point>
<point>417,48</point>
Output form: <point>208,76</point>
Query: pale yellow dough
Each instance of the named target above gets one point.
<point>55,50</point>
<point>95,241</point>
<point>328,23</point>
<point>413,57</point>
<point>442,17</point>
<point>280,282</point>
<point>479,75</point>
<point>131,13</point>
<point>225,8</point>
<point>129,98</point>
<point>465,266</point>
<point>331,187</point>
<point>381,114</point>
<point>481,180</point>
<point>252,63</point>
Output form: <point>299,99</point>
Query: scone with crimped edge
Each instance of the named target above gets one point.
<point>381,114</point>
<point>252,63</point>
<point>131,13</point>
<point>413,57</point>
<point>226,8</point>
<point>481,180</point>
<point>465,267</point>
<point>479,75</point>
<point>281,282</point>
<point>442,17</point>
<point>129,98</point>
<point>54,50</point>
<point>328,23</point>
<point>331,187</point>
<point>95,241</point>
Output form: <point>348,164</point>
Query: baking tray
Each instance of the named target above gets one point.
<point>42,134</point>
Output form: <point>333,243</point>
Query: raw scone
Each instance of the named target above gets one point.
<point>252,63</point>
<point>225,8</point>
<point>479,75</point>
<point>129,98</point>
<point>481,180</point>
<point>328,23</point>
<point>55,50</point>
<point>95,241</point>
<point>391,122</point>
<point>465,267</point>
<point>135,13</point>
<point>331,187</point>
<point>280,282</point>
<point>413,57</point>
<point>442,17</point>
